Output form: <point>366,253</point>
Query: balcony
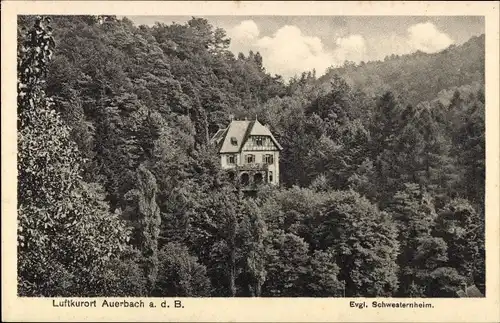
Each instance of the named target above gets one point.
<point>252,166</point>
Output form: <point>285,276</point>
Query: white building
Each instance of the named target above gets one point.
<point>249,151</point>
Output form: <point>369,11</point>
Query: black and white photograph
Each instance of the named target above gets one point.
<point>251,156</point>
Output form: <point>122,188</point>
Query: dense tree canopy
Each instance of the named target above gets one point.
<point>120,192</point>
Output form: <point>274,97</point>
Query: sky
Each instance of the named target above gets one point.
<point>292,44</point>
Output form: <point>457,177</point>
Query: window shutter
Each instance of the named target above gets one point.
<point>231,159</point>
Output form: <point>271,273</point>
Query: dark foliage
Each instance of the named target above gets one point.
<point>382,168</point>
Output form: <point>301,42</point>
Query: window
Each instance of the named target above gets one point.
<point>259,141</point>
<point>269,159</point>
<point>234,141</point>
<point>270,177</point>
<point>231,159</point>
<point>250,159</point>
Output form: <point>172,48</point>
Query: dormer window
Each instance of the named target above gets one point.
<point>234,141</point>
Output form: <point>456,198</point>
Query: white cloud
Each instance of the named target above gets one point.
<point>427,38</point>
<point>247,29</point>
<point>352,48</point>
<point>289,52</point>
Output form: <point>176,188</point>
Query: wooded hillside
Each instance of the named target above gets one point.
<point>418,76</point>
<point>121,195</point>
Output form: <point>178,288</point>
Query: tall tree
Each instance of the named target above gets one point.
<point>251,236</point>
<point>364,241</point>
<point>180,273</point>
<point>463,228</point>
<point>66,235</point>
<point>414,213</point>
<point>144,213</point>
<point>287,265</point>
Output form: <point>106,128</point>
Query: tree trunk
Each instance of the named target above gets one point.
<point>232,271</point>
<point>258,289</point>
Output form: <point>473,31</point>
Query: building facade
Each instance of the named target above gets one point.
<point>250,153</point>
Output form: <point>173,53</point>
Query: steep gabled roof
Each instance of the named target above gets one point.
<point>257,129</point>
<point>236,130</point>
<point>240,131</point>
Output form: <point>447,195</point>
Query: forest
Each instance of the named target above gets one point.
<point>121,194</point>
